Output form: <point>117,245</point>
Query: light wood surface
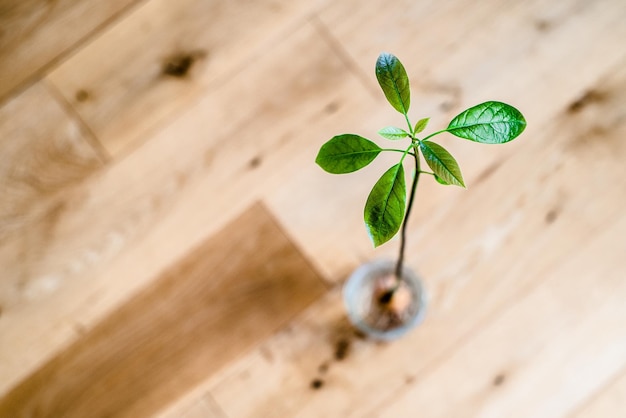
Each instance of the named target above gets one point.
<point>164,56</point>
<point>168,247</point>
<point>36,34</point>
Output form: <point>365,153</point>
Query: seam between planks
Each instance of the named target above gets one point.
<point>343,54</point>
<point>90,136</point>
<point>172,117</point>
<point>65,53</point>
<point>208,396</point>
<point>596,394</point>
<point>329,285</point>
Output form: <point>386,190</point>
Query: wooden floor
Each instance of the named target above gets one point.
<point>169,248</point>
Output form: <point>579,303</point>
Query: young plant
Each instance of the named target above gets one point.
<point>386,209</point>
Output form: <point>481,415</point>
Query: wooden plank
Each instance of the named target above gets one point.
<point>533,233</point>
<point>610,402</point>
<point>145,211</point>
<point>229,293</point>
<point>163,56</point>
<point>34,33</point>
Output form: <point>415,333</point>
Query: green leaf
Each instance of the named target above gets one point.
<point>393,133</point>
<point>488,123</point>
<point>442,163</point>
<point>420,125</point>
<point>346,153</point>
<point>440,180</point>
<point>393,80</point>
<point>384,209</point>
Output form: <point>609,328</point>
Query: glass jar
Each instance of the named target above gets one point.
<point>371,313</point>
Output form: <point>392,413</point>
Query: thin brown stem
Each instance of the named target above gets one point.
<point>400,262</point>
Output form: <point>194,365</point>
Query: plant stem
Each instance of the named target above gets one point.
<point>434,133</point>
<point>400,263</point>
<point>408,122</point>
<point>397,150</point>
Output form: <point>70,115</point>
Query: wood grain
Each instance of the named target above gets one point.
<point>34,33</point>
<point>145,211</point>
<point>226,295</point>
<point>44,151</point>
<point>163,56</point>
<point>608,402</point>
